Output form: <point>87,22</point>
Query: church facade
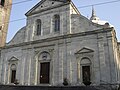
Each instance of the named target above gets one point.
<point>58,44</point>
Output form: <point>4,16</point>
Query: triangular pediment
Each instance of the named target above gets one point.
<point>13,59</point>
<point>84,50</point>
<point>45,5</point>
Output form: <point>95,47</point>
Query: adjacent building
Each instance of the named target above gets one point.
<point>5,8</point>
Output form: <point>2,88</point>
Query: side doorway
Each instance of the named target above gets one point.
<point>86,73</point>
<point>85,65</point>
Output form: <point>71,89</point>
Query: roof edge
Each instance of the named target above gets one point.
<point>34,7</point>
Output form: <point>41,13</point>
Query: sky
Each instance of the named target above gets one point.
<point>108,12</point>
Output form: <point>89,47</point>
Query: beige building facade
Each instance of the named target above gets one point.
<point>59,43</point>
<point>5,8</point>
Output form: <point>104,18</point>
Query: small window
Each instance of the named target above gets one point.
<point>56,23</point>
<point>2,2</point>
<point>38,27</point>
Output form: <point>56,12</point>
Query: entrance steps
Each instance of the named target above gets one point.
<point>15,87</point>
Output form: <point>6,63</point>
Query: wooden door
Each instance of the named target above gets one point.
<point>13,76</point>
<point>44,73</point>
<point>86,73</point>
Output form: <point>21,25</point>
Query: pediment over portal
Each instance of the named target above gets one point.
<point>84,50</point>
<point>12,59</point>
<point>45,5</point>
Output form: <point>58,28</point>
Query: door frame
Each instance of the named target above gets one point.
<point>50,72</point>
<point>81,73</point>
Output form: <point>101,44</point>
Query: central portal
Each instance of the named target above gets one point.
<point>44,72</point>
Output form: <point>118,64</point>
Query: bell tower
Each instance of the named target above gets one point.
<point>5,8</point>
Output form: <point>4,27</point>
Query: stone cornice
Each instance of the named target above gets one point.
<point>61,37</point>
<point>75,8</point>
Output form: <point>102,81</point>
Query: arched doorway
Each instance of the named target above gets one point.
<point>86,70</point>
<point>44,76</point>
<point>13,73</point>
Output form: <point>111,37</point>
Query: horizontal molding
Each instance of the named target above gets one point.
<point>103,30</point>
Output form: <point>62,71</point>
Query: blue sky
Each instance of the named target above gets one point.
<point>108,12</point>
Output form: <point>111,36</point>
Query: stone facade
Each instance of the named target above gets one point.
<point>78,44</point>
<point>5,8</point>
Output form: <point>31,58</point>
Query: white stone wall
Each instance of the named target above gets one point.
<point>80,23</point>
<point>18,38</point>
<point>70,22</point>
<point>47,26</point>
<point>119,62</point>
<point>64,62</point>
<point>78,38</point>
<point>116,57</point>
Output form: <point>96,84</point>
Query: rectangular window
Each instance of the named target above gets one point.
<point>57,23</point>
<point>38,29</point>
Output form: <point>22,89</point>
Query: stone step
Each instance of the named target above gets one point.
<point>7,87</point>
